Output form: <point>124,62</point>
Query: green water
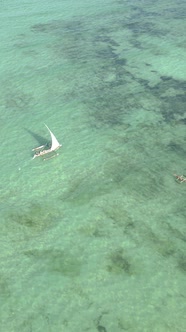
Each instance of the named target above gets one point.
<point>94,239</point>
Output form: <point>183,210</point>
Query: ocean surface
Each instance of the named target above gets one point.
<point>93,239</point>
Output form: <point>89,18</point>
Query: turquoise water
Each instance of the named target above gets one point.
<point>94,239</point>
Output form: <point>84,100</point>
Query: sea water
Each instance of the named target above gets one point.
<point>93,239</point>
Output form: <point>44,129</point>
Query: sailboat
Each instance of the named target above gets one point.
<point>40,151</point>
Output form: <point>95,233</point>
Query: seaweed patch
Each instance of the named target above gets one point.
<point>56,261</point>
<point>35,217</point>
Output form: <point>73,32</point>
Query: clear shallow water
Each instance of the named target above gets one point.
<point>95,238</point>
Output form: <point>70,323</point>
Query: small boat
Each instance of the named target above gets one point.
<point>40,151</point>
<point>180,178</point>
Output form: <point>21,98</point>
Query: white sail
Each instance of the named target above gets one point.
<point>55,144</point>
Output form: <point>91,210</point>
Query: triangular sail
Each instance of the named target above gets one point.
<point>55,144</point>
